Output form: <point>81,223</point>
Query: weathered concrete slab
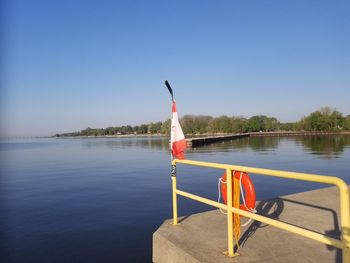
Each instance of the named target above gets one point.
<point>195,142</point>
<point>203,238</point>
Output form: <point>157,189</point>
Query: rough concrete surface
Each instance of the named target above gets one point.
<point>203,237</point>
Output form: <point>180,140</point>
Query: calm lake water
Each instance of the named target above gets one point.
<point>100,200</point>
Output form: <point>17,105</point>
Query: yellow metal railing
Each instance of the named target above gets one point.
<point>343,243</point>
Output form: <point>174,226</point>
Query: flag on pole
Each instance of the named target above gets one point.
<point>177,137</point>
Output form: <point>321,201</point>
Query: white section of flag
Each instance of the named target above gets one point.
<point>177,137</point>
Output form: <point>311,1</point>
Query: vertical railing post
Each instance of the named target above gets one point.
<point>173,179</point>
<point>229,212</point>
<point>345,221</point>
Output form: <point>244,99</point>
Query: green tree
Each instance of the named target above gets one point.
<point>256,123</point>
<point>239,124</point>
<point>165,129</point>
<point>289,126</point>
<point>270,124</point>
<point>222,124</point>
<point>324,119</point>
<point>192,124</point>
<point>347,123</point>
<point>143,128</point>
<point>154,128</point>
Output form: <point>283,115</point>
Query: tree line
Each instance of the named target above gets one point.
<point>324,119</point>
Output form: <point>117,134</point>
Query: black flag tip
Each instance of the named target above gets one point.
<point>170,89</point>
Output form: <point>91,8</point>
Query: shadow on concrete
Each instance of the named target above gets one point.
<point>334,233</point>
<point>274,207</point>
<point>183,218</point>
<point>270,208</point>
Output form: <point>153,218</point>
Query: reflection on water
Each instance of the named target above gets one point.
<point>325,147</point>
<point>146,142</point>
<point>254,143</point>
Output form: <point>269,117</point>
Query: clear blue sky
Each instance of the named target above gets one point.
<point>69,65</point>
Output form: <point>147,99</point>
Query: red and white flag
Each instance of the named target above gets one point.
<point>177,137</point>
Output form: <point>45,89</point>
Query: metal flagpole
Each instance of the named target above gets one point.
<point>173,166</point>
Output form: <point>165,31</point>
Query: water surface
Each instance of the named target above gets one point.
<point>100,200</point>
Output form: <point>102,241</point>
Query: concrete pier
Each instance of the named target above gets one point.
<point>196,142</point>
<point>203,237</point>
<point>295,133</point>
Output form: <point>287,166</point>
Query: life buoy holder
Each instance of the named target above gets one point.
<point>250,196</point>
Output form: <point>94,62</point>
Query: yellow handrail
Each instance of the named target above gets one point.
<point>343,243</point>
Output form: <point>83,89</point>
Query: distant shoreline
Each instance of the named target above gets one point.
<point>111,136</point>
<point>188,136</point>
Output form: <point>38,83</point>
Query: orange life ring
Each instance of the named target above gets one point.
<point>250,196</point>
